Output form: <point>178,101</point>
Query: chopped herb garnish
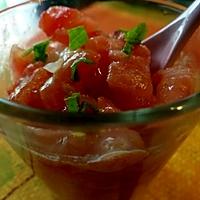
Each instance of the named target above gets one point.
<point>74,66</point>
<point>40,51</point>
<point>134,36</point>
<point>77,37</point>
<point>72,102</point>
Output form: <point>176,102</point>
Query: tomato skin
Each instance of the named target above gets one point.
<point>61,35</point>
<point>26,91</point>
<point>29,70</point>
<point>130,88</point>
<point>57,17</point>
<point>129,79</point>
<point>100,44</point>
<point>87,74</point>
<point>52,95</point>
<point>174,83</point>
<point>90,79</point>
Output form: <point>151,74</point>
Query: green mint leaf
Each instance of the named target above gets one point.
<point>77,37</point>
<point>72,102</point>
<point>40,51</point>
<point>74,67</point>
<point>134,36</point>
<point>137,34</point>
<point>127,49</point>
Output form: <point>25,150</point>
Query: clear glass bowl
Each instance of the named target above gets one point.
<point>105,156</point>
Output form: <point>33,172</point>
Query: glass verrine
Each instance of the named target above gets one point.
<point>86,156</point>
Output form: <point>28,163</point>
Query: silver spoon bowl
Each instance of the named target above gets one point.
<point>167,43</point>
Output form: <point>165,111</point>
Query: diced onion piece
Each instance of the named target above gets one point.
<point>54,66</point>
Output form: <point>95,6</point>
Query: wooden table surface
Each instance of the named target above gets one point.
<point>178,180</point>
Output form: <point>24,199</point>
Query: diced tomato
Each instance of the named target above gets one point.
<point>29,70</point>
<point>105,105</point>
<point>95,33</point>
<point>129,87</point>
<point>174,83</point>
<point>116,44</point>
<point>93,75</point>
<point>99,44</point>
<point>88,75</point>
<point>129,80</point>
<point>63,75</point>
<point>59,17</point>
<point>61,35</point>
<point>117,56</point>
<point>19,61</point>
<point>52,94</point>
<point>98,81</point>
<point>27,90</point>
<point>142,58</point>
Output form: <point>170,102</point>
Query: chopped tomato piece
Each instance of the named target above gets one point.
<point>61,35</point>
<point>52,95</point>
<point>27,89</point>
<point>19,61</point>
<point>174,83</point>
<point>29,70</point>
<point>99,44</point>
<point>106,105</point>
<point>59,17</point>
<point>130,81</point>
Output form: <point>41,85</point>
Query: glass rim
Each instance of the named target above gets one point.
<point>138,116</point>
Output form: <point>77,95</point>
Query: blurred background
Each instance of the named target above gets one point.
<point>8,3</point>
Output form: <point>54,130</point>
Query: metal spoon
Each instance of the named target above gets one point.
<point>167,43</point>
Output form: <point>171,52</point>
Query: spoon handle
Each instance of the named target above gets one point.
<point>190,22</point>
<point>167,43</point>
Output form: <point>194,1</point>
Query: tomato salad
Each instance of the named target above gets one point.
<point>79,68</point>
